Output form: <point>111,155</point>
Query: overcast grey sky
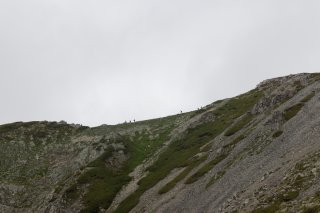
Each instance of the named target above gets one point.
<point>103,61</point>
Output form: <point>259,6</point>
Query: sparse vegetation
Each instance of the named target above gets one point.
<point>239,125</point>
<point>234,142</point>
<point>205,169</point>
<point>295,109</point>
<point>277,201</point>
<point>291,195</point>
<point>72,193</point>
<point>182,175</point>
<point>206,148</point>
<point>277,134</point>
<point>267,209</point>
<point>216,177</point>
<point>292,111</point>
<point>315,76</point>
<point>298,85</point>
<point>308,97</point>
<point>317,195</point>
<point>313,209</point>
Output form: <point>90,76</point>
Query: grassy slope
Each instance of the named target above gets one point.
<point>105,182</point>
<point>180,152</point>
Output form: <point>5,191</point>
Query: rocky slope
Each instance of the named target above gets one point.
<point>257,152</point>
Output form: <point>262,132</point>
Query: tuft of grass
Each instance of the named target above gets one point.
<point>182,175</point>
<point>205,169</point>
<point>216,177</point>
<point>239,125</point>
<point>298,85</point>
<point>206,148</point>
<point>299,181</point>
<point>275,206</point>
<point>315,76</point>
<point>313,209</point>
<point>308,97</point>
<point>234,142</point>
<point>72,193</point>
<point>295,109</point>
<point>317,195</point>
<point>292,111</point>
<point>277,134</point>
<point>268,209</point>
<point>291,195</point>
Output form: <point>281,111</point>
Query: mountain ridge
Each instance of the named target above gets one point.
<point>256,152</point>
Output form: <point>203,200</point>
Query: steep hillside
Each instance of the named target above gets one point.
<point>257,152</point>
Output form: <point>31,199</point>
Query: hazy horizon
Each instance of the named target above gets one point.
<point>106,62</point>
